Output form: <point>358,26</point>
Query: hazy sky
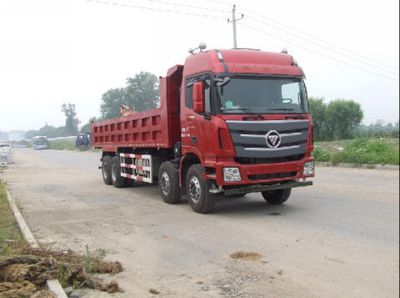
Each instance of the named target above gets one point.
<point>58,51</point>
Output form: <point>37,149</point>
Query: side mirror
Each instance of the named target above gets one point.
<point>198,97</point>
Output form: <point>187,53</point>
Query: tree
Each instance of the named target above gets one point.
<point>342,117</point>
<point>318,114</point>
<point>86,128</point>
<point>111,102</point>
<point>142,91</point>
<point>71,121</point>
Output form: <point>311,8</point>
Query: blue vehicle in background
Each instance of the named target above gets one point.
<point>83,141</point>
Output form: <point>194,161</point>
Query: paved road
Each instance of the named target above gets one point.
<point>338,238</point>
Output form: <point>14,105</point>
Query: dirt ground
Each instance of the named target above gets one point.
<point>338,238</point>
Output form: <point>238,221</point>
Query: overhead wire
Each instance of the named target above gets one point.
<point>320,54</point>
<point>188,5</point>
<point>333,50</point>
<point>262,21</point>
<point>120,4</point>
<point>320,42</point>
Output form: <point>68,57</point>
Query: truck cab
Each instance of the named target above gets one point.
<point>244,116</point>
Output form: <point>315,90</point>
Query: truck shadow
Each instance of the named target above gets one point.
<point>236,205</point>
<point>250,204</point>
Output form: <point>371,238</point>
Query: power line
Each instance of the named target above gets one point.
<point>113,3</point>
<point>188,5</point>
<point>331,49</point>
<point>328,45</point>
<point>321,54</point>
<point>220,2</point>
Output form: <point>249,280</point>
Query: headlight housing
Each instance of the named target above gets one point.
<point>308,168</point>
<point>232,175</point>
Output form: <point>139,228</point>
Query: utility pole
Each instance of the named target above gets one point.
<point>233,21</point>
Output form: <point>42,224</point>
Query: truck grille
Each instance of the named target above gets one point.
<point>249,139</point>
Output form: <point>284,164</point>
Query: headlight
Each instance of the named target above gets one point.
<point>308,168</point>
<point>232,175</point>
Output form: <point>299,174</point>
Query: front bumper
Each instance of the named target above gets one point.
<point>259,174</point>
<point>259,188</point>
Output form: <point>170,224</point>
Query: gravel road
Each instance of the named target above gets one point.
<point>338,238</point>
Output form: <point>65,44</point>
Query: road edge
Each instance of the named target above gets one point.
<point>357,166</point>
<point>53,285</point>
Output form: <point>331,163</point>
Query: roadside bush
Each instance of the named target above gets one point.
<point>367,151</point>
<point>321,154</point>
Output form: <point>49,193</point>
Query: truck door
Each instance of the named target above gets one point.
<point>196,127</point>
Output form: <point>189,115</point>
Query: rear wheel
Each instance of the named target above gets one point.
<point>106,169</point>
<point>117,180</point>
<point>168,183</point>
<point>277,197</point>
<point>199,197</point>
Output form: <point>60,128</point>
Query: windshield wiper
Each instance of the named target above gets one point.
<point>282,109</point>
<point>254,115</point>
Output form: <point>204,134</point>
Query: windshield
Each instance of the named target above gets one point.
<point>262,95</point>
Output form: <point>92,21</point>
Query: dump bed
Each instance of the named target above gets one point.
<point>157,128</point>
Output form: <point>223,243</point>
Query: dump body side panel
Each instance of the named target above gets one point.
<point>157,128</point>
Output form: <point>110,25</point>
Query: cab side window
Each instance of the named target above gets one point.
<point>189,94</point>
<point>207,96</point>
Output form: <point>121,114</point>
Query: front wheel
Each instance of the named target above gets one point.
<point>277,197</point>
<point>199,197</point>
<point>168,182</point>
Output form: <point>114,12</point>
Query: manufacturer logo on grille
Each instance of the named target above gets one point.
<point>273,139</point>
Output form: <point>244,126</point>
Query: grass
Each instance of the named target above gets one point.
<point>62,145</point>
<point>359,151</point>
<point>10,235</point>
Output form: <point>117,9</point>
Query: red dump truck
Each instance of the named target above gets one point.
<point>230,122</point>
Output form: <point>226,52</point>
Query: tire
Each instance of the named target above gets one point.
<point>277,197</point>
<point>197,188</point>
<point>117,180</point>
<point>106,169</point>
<point>168,182</point>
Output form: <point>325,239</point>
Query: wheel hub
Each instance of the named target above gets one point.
<point>165,183</point>
<point>194,189</point>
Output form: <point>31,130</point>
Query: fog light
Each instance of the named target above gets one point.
<point>308,168</point>
<point>232,175</point>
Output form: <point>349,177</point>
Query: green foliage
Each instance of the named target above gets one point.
<point>9,232</point>
<point>48,131</point>
<point>111,102</point>
<point>141,93</point>
<point>71,121</point>
<point>378,129</point>
<point>318,113</point>
<point>343,116</point>
<point>336,120</point>
<point>359,151</point>
<point>86,128</point>
<point>62,145</point>
<point>321,154</point>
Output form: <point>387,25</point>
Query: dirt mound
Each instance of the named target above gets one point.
<point>26,274</point>
<point>246,255</point>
